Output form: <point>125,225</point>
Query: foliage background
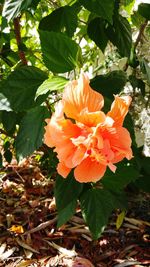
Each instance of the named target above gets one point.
<point>43,44</point>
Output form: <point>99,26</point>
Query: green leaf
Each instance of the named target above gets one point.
<point>31,132</point>
<point>144,10</point>
<point>63,19</point>
<point>1,161</point>
<point>110,83</point>
<point>59,51</point>
<point>12,8</point>
<point>124,175</point>
<point>96,32</point>
<point>96,207</point>
<point>66,192</point>
<point>55,83</point>
<point>65,214</point>
<point>137,83</point>
<point>146,70</point>
<point>21,86</point>
<point>120,35</point>
<point>103,9</point>
<point>8,155</point>
<point>9,120</point>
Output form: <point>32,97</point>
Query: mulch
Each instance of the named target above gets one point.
<point>29,235</point>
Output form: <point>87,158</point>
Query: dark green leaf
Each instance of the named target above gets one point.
<point>137,83</point>
<point>96,31</point>
<point>110,83</point>
<point>124,175</point>
<point>21,86</point>
<point>65,214</point>
<point>1,161</point>
<point>144,10</point>
<point>8,155</point>
<point>103,9</point>
<point>63,19</point>
<point>55,83</point>
<point>31,132</point>
<point>66,191</point>
<point>59,51</point>
<point>12,8</point>
<point>120,35</point>
<point>96,207</point>
<point>9,120</point>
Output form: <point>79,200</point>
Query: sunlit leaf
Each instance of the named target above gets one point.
<point>59,51</point>
<point>12,8</point>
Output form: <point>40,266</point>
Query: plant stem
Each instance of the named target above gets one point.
<point>18,39</point>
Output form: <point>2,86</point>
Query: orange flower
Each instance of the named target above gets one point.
<point>84,137</point>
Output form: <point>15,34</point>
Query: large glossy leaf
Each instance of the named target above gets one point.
<point>21,86</point>
<point>55,83</point>
<point>31,132</point>
<point>63,19</point>
<point>96,207</point>
<point>59,51</point>
<point>96,31</point>
<point>102,8</point>
<point>124,174</point>
<point>110,83</point>
<point>12,8</point>
<point>67,192</point>
<point>120,35</point>
<point>144,10</point>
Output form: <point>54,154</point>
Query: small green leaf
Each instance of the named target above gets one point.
<point>96,31</point>
<point>1,161</point>
<point>21,86</point>
<point>110,83</point>
<point>120,35</point>
<point>9,120</point>
<point>124,175</point>
<point>13,8</point>
<point>55,83</point>
<point>65,214</point>
<point>103,9</point>
<point>63,19</point>
<point>8,155</point>
<point>144,10</point>
<point>137,83</point>
<point>66,191</point>
<point>59,51</point>
<point>96,207</point>
<point>31,132</point>
<point>120,219</point>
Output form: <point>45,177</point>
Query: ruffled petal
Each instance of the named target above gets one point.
<point>78,95</point>
<point>120,143</point>
<point>63,170</point>
<point>89,171</point>
<point>119,109</point>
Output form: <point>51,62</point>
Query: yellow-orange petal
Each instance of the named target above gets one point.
<point>78,95</point>
<point>89,171</point>
<point>119,109</point>
<point>120,142</point>
<point>91,118</point>
<point>63,170</point>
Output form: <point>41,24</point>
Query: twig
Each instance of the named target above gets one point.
<point>141,31</point>
<point>41,226</point>
<point>18,39</point>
